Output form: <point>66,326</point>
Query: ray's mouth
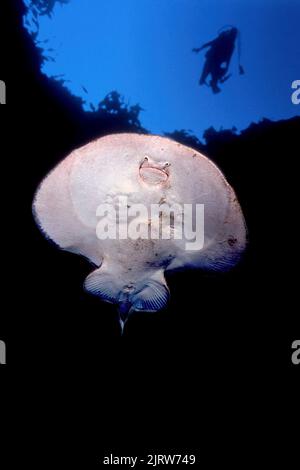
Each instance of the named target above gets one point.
<point>153,173</point>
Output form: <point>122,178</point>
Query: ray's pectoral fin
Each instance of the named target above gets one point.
<point>101,283</point>
<point>152,296</point>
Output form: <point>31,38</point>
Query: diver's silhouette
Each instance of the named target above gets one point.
<point>218,59</point>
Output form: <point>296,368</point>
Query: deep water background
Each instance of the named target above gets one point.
<point>178,377</point>
<point>143,49</point>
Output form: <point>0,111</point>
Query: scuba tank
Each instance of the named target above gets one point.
<point>238,39</point>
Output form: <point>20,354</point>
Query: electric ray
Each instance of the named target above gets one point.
<point>109,202</point>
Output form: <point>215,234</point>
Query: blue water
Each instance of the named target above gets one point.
<point>142,48</point>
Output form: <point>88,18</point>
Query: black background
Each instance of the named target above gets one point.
<point>211,374</point>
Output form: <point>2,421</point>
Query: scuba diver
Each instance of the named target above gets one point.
<point>218,58</point>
